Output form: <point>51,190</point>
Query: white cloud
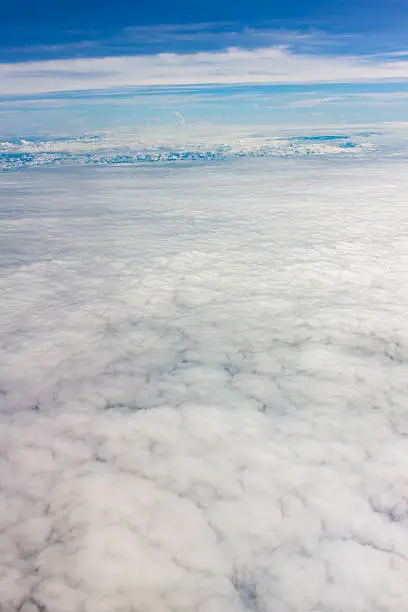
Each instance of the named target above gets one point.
<point>181,141</point>
<point>396,54</point>
<point>265,65</point>
<point>351,98</point>
<point>310,102</point>
<point>203,388</point>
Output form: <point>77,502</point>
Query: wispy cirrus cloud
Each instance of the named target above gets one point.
<point>310,102</point>
<point>184,38</point>
<point>273,65</point>
<point>354,98</point>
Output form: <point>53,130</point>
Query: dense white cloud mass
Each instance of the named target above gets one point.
<point>204,388</point>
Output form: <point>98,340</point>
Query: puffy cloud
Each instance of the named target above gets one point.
<point>203,388</point>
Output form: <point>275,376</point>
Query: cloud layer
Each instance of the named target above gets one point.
<point>275,64</point>
<point>203,388</point>
<point>177,144</point>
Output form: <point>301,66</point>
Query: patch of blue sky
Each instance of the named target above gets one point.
<point>134,41</point>
<point>90,24</point>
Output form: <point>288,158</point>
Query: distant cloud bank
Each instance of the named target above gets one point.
<point>274,65</point>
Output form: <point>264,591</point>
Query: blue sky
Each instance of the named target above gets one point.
<point>90,66</point>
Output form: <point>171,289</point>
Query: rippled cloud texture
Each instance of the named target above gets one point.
<point>203,388</point>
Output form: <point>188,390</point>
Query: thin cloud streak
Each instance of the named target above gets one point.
<point>391,97</point>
